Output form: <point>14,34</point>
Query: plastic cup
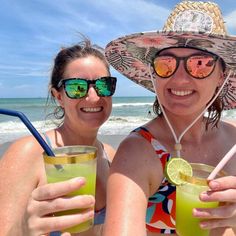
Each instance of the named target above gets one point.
<point>187,198</point>
<point>74,161</point>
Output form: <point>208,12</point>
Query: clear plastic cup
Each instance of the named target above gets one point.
<point>187,198</point>
<point>70,162</point>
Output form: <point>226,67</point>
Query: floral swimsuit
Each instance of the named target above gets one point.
<point>160,216</point>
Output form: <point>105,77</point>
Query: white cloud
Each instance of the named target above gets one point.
<point>230,22</point>
<point>32,32</point>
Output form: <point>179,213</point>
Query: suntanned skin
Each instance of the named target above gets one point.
<point>27,202</point>
<point>137,173</point>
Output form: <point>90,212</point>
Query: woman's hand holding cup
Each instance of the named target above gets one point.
<point>46,200</point>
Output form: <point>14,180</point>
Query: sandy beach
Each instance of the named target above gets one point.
<point>113,140</point>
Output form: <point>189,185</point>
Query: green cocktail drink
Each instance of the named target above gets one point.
<point>187,198</point>
<point>70,162</point>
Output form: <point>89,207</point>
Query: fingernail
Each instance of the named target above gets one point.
<point>204,196</point>
<point>203,225</point>
<point>80,180</point>
<point>214,184</point>
<point>91,200</point>
<point>195,212</point>
<point>90,214</point>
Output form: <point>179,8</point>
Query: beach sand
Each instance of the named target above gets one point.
<point>113,140</point>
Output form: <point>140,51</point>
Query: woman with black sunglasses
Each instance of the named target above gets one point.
<point>190,66</point>
<point>82,88</point>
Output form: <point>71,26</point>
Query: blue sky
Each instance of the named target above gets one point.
<point>32,32</point>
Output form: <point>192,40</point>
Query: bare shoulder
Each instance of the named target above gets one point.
<point>23,147</point>
<point>226,142</point>
<point>134,151</point>
<point>137,160</point>
<point>21,170</point>
<point>227,134</point>
<point>24,154</point>
<point>131,143</point>
<point>230,122</point>
<point>134,143</point>
<point>229,127</point>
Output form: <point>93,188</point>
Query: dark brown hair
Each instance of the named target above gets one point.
<point>66,55</point>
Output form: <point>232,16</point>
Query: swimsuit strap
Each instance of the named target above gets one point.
<point>47,139</point>
<point>160,150</point>
<point>160,215</point>
<point>104,154</point>
<point>99,216</point>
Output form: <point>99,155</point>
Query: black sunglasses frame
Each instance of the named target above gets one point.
<point>178,59</point>
<point>90,82</point>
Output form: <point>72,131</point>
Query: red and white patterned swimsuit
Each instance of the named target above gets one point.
<point>160,216</point>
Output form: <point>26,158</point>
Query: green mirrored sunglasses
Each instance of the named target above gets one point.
<point>77,87</point>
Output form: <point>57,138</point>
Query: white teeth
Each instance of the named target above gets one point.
<point>92,109</point>
<point>181,92</point>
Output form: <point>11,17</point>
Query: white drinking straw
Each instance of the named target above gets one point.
<point>222,163</point>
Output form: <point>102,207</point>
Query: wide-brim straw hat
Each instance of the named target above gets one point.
<point>198,25</point>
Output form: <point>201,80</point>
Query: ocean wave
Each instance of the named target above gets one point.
<point>127,119</point>
<point>19,127</point>
<point>116,125</point>
<point>131,104</point>
<point>10,130</point>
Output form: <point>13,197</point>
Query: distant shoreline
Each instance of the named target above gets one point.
<point>149,96</point>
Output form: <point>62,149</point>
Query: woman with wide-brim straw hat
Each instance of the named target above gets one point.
<point>190,65</point>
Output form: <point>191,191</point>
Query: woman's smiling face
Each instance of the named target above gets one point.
<point>91,110</point>
<point>182,94</point>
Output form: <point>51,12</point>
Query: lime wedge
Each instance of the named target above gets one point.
<point>173,168</point>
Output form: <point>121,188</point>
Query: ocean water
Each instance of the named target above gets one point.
<point>127,114</point>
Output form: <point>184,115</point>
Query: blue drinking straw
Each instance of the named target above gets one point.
<point>30,127</point>
<point>35,133</point>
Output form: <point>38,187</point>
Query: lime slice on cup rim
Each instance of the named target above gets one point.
<point>174,167</point>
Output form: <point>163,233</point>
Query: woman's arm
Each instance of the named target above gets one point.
<point>27,202</point>
<point>20,169</point>
<point>129,188</point>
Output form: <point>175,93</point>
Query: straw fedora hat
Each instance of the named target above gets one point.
<point>192,24</point>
